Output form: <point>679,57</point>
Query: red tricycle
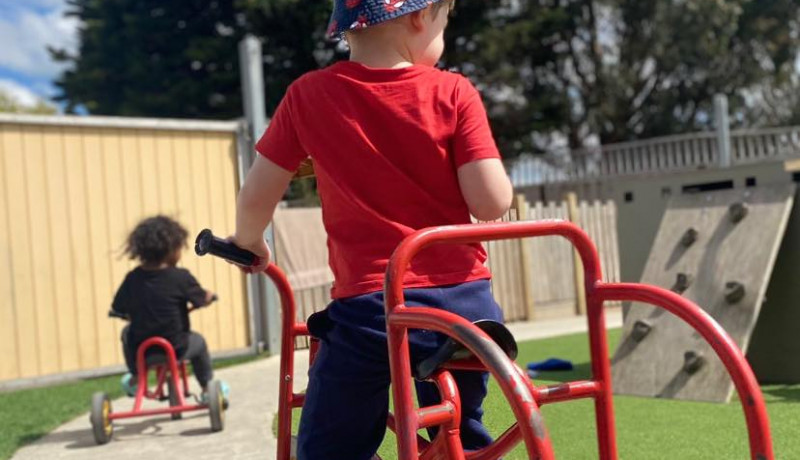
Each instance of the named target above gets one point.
<point>492,352</point>
<point>171,385</point>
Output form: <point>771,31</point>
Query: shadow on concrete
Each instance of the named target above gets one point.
<point>123,430</point>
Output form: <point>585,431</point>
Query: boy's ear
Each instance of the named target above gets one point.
<point>417,20</point>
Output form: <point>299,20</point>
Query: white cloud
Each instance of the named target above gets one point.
<point>49,4</point>
<point>26,33</point>
<point>19,93</point>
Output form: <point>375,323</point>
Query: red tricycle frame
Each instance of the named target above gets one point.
<point>518,389</point>
<point>172,374</point>
<point>172,369</point>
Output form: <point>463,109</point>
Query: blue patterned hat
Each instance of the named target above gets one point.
<point>359,14</point>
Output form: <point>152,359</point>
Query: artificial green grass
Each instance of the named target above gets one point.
<point>27,415</point>
<point>646,428</point>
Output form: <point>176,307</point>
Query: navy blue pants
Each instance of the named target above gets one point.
<point>347,400</point>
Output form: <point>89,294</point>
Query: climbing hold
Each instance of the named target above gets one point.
<point>734,291</point>
<point>689,237</point>
<point>737,212</point>
<point>640,329</point>
<point>682,283</point>
<point>693,361</point>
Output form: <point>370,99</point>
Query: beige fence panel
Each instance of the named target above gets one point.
<point>545,273</point>
<point>310,300</point>
<point>600,222</point>
<point>505,262</point>
<point>70,193</point>
<point>550,264</point>
<point>552,275</point>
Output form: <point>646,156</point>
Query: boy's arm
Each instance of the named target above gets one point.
<point>120,303</point>
<point>486,188</point>
<point>280,154</point>
<point>482,178</point>
<point>195,294</point>
<point>262,191</point>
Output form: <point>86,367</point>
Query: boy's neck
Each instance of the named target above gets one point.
<point>380,60</point>
<point>378,48</point>
<point>151,267</point>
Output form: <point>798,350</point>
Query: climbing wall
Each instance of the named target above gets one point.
<point>718,250</point>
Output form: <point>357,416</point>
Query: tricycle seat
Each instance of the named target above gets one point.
<point>452,350</point>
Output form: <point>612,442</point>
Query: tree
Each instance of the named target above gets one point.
<point>293,33</point>
<point>554,73</point>
<point>9,104</point>
<point>519,52</point>
<point>675,56</point>
<point>578,72</point>
<point>154,58</point>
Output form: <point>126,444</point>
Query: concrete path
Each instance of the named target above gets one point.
<point>248,430</point>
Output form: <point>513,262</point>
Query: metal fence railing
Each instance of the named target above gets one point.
<point>684,152</point>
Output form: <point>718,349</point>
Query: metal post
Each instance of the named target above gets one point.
<point>723,130</point>
<point>250,64</point>
<point>244,148</point>
<point>250,67</point>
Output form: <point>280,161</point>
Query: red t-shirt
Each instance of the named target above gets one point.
<point>386,144</point>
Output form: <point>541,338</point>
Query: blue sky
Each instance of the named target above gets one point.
<point>27,27</point>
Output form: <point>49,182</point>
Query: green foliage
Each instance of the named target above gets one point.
<point>620,69</point>
<point>674,56</point>
<point>294,42</point>
<point>154,58</point>
<point>8,104</point>
<point>564,72</point>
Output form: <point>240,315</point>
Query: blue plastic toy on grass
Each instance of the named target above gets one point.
<point>552,364</point>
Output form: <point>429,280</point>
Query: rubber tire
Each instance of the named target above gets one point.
<point>102,428</point>
<point>216,409</point>
<point>173,399</point>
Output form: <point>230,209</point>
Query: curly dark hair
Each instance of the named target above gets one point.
<point>155,239</point>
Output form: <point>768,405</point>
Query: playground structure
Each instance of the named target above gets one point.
<point>653,183</point>
<point>524,398</point>
<point>717,249</point>
<point>171,385</point>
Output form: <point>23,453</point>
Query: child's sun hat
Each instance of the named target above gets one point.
<point>359,14</point>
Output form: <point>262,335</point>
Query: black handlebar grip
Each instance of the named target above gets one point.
<point>207,243</point>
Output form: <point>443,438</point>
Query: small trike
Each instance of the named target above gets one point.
<point>156,354</point>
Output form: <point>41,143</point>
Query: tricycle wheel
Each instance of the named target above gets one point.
<point>216,405</point>
<point>100,418</point>
<point>173,398</point>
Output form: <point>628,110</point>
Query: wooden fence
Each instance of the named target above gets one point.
<point>534,278</point>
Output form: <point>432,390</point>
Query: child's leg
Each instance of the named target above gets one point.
<point>197,353</point>
<point>472,389</point>
<point>128,351</point>
<point>347,400</point>
<point>473,301</point>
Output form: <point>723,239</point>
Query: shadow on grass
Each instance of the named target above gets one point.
<point>782,393</point>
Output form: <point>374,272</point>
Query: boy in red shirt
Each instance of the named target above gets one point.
<point>397,146</point>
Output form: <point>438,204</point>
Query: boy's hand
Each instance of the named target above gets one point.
<point>260,248</point>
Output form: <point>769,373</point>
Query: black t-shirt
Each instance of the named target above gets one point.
<point>156,303</point>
